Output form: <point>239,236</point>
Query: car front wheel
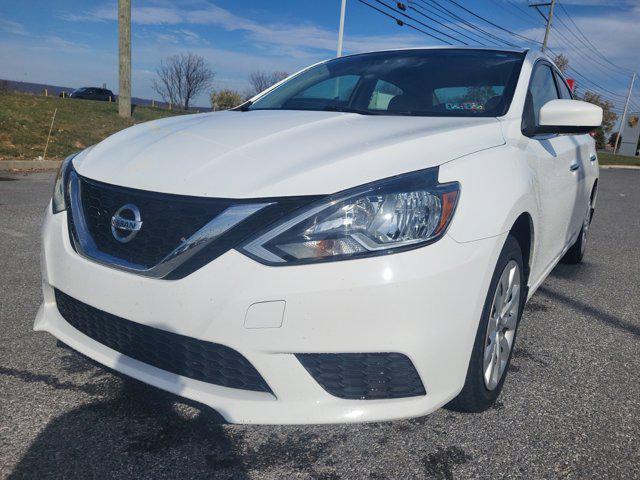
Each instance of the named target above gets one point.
<point>496,333</point>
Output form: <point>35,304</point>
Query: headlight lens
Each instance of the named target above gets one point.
<point>58,200</point>
<point>391,215</point>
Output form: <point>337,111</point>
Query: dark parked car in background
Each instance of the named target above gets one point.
<point>93,93</point>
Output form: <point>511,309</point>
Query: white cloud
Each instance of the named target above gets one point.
<point>192,37</point>
<point>14,28</point>
<point>53,41</point>
<point>616,36</point>
<point>296,40</point>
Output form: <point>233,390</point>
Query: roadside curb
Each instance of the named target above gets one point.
<point>29,164</point>
<point>630,167</point>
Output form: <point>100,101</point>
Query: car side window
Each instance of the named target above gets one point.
<point>542,89</point>
<point>565,93</point>
<point>338,88</point>
<point>382,94</point>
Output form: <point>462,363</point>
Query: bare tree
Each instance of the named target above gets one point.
<point>182,77</point>
<point>261,80</point>
<point>562,62</point>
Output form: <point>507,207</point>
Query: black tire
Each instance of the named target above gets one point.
<point>575,254</point>
<point>475,396</point>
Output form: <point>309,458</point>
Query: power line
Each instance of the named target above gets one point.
<point>419,22</point>
<point>580,53</point>
<point>450,18</point>
<point>525,11</point>
<point>599,89</point>
<point>493,24</point>
<point>595,49</point>
<point>516,15</point>
<point>594,84</point>
<point>501,41</point>
<point>402,23</point>
<point>421,12</point>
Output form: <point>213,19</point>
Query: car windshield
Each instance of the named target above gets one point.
<point>80,90</point>
<point>443,82</point>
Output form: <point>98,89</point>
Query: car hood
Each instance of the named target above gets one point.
<point>253,154</point>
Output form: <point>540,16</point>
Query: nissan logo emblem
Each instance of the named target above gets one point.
<point>126,223</point>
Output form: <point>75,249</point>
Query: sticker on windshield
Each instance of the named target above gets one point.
<point>465,106</point>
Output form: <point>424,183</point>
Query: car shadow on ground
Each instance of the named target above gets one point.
<point>584,272</point>
<point>106,438</point>
<point>127,429</point>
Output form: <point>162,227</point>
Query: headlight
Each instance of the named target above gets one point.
<point>391,215</point>
<point>58,201</point>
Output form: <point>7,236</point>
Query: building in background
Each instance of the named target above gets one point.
<point>630,132</point>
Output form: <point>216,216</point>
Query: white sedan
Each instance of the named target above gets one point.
<point>356,243</point>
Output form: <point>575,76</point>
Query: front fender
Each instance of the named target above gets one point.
<point>496,188</point>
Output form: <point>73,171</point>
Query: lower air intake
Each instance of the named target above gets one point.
<point>364,376</point>
<point>205,361</point>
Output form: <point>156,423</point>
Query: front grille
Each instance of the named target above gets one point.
<point>167,220</point>
<point>205,361</point>
<point>364,376</point>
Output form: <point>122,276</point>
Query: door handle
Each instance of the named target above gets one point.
<point>574,167</point>
<point>593,157</point>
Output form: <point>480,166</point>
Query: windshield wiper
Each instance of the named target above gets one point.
<point>337,108</point>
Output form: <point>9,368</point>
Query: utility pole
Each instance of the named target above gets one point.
<point>124,53</point>
<point>549,19</point>
<point>624,113</point>
<point>343,9</point>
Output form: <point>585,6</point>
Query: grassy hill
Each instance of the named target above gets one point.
<point>25,120</point>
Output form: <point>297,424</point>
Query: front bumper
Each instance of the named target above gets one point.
<point>424,303</point>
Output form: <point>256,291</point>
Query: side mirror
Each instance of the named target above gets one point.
<point>568,116</point>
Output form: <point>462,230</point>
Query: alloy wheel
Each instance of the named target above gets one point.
<point>502,323</point>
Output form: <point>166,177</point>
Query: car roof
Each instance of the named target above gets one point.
<point>531,56</point>
<point>445,47</point>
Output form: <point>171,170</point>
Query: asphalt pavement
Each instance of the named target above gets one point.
<point>570,407</point>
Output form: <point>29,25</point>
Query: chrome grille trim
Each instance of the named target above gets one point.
<point>86,247</point>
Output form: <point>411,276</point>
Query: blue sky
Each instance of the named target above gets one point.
<point>73,43</point>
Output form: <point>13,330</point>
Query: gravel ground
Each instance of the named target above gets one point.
<point>570,407</point>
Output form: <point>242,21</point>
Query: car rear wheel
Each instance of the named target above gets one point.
<point>496,333</point>
<point>575,254</point>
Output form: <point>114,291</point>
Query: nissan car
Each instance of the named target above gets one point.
<point>356,243</point>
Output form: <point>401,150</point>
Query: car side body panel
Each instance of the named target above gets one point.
<point>489,206</point>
